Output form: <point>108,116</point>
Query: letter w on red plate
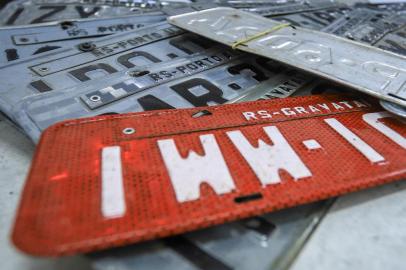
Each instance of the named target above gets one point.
<point>113,180</point>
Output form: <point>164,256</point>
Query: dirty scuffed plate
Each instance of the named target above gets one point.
<point>127,178</point>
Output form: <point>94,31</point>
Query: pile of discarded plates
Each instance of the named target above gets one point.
<point>150,134</point>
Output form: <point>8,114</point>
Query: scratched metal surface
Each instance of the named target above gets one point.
<point>22,12</point>
<point>224,81</point>
<point>321,54</point>
<point>25,41</point>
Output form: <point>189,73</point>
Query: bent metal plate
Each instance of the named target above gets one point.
<point>367,69</point>
<point>122,179</point>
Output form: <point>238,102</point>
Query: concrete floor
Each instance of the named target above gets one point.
<point>363,230</point>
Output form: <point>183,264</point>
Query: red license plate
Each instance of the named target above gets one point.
<point>108,181</point>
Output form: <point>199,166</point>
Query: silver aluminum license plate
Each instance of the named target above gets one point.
<point>63,68</point>
<point>288,7</point>
<point>393,108</point>
<point>116,3</point>
<point>255,3</point>
<point>366,25</point>
<point>367,69</point>
<point>149,77</point>
<point>316,20</point>
<point>279,7</point>
<point>271,241</point>
<point>385,29</point>
<point>22,12</point>
<point>394,41</point>
<point>387,6</point>
<point>208,78</point>
<point>263,8</point>
<point>22,42</point>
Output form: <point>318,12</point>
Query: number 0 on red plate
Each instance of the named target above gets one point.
<point>107,181</point>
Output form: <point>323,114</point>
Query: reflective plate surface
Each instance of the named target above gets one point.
<point>373,71</point>
<point>63,68</point>
<point>200,167</point>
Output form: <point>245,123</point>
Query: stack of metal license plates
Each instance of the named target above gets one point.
<point>68,59</point>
